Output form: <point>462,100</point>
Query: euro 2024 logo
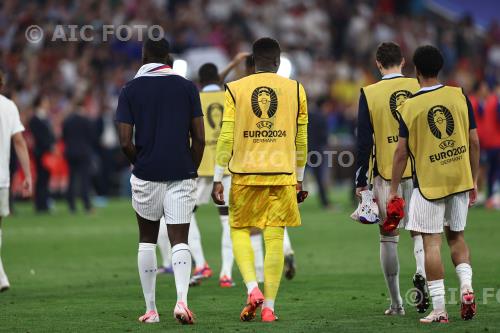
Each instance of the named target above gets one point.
<point>398,98</point>
<point>264,105</point>
<point>214,117</point>
<point>442,125</point>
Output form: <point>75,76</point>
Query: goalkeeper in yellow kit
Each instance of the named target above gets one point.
<point>263,141</point>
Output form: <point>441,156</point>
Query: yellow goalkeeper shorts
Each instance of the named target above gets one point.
<point>263,205</point>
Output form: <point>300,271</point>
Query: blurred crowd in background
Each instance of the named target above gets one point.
<point>67,91</point>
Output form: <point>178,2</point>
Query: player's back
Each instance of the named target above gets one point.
<point>212,104</point>
<point>9,125</point>
<point>265,117</point>
<point>161,109</point>
<point>437,123</point>
<point>383,99</point>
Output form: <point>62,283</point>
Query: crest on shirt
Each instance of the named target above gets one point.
<point>214,115</point>
<point>441,125</point>
<point>264,105</point>
<point>398,98</point>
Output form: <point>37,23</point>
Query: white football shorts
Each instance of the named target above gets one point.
<point>4,202</point>
<point>431,217</point>
<point>175,200</point>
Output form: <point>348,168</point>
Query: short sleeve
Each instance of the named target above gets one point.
<point>229,106</point>
<point>195,102</point>
<point>16,126</point>
<point>123,110</point>
<point>302,116</point>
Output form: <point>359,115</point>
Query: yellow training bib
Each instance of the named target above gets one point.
<point>265,124</point>
<point>383,99</point>
<point>212,103</point>
<point>438,139</point>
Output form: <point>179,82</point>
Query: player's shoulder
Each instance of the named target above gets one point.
<point>259,76</point>
<point>242,81</point>
<point>160,82</point>
<point>401,81</point>
<point>7,104</point>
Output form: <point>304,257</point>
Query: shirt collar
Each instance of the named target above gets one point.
<point>392,75</point>
<point>434,87</point>
<point>211,87</point>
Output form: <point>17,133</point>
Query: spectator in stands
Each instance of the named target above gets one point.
<point>78,136</point>
<point>317,143</point>
<point>491,126</point>
<point>43,136</point>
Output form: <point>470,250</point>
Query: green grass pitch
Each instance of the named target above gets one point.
<point>79,274</point>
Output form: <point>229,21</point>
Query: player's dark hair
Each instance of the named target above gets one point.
<point>389,55</point>
<point>266,49</point>
<point>428,61</point>
<point>208,73</point>
<point>155,50</point>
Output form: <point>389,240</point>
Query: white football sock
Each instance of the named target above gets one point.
<point>194,241</point>
<point>251,285</point>
<point>4,281</point>
<point>164,245</point>
<point>390,266</point>
<point>268,303</point>
<point>146,261</point>
<point>287,244</point>
<point>464,272</point>
<point>226,248</point>
<point>181,263</point>
<point>436,291</point>
<point>258,253</point>
<point>418,251</point>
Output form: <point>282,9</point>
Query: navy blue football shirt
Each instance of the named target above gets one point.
<point>161,109</point>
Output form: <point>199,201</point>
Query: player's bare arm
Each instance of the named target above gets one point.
<point>125,133</point>
<point>235,62</point>
<point>22,153</point>
<point>398,166</point>
<point>197,133</point>
<point>474,151</point>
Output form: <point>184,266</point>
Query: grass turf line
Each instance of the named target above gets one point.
<point>78,273</point>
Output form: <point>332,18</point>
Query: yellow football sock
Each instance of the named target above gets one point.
<point>273,262</point>
<point>243,253</point>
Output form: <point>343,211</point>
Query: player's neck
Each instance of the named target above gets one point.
<point>428,82</point>
<point>391,71</point>
<point>267,69</point>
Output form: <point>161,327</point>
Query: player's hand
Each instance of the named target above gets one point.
<point>218,193</point>
<point>473,196</point>
<point>299,186</point>
<point>360,189</point>
<point>392,196</point>
<point>27,187</point>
